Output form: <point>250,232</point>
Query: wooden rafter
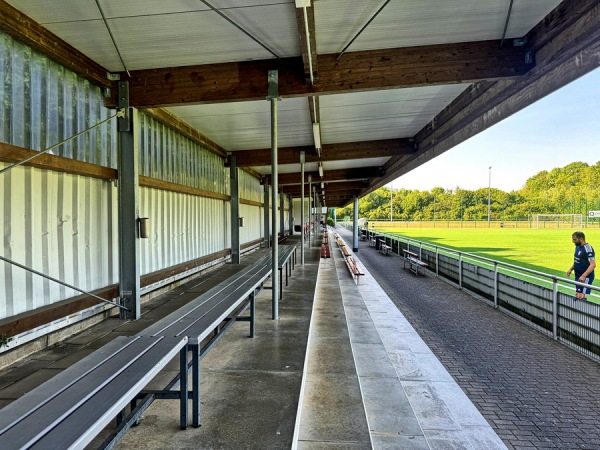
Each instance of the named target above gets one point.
<point>331,175</point>
<point>330,152</point>
<point>342,186</point>
<point>357,71</point>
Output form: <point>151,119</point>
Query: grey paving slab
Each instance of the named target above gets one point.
<point>385,441</point>
<point>330,355</point>
<point>372,360</point>
<point>333,410</point>
<point>308,445</point>
<point>388,408</point>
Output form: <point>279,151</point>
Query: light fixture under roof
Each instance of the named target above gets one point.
<point>321,170</point>
<point>317,136</point>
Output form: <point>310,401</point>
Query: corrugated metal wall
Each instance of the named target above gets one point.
<point>183,228</point>
<point>43,103</point>
<point>66,225</point>
<point>167,155</point>
<point>58,224</point>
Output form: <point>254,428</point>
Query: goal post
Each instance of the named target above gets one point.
<point>558,221</point>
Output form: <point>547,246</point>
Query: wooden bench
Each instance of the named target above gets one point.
<point>70,409</point>
<point>413,261</point>
<point>353,267</point>
<point>385,249</point>
<point>355,271</point>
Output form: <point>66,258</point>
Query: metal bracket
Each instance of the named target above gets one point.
<point>273,85</point>
<point>529,57</point>
<point>124,123</point>
<point>520,42</point>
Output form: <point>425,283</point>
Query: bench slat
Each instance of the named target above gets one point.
<point>90,399</point>
<point>207,300</point>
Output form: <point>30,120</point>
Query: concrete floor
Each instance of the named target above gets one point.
<point>354,376</point>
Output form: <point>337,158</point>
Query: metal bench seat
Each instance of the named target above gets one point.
<point>70,409</point>
<point>203,318</point>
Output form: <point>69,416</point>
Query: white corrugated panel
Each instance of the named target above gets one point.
<point>252,229</point>
<point>389,114</point>
<point>167,155</point>
<point>247,125</point>
<point>409,23</point>
<point>249,187</point>
<point>44,104</point>
<point>153,34</point>
<point>64,226</point>
<point>183,227</point>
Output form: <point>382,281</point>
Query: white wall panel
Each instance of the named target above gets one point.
<point>61,225</point>
<point>182,228</point>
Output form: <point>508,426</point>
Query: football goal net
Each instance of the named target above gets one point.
<point>558,221</point>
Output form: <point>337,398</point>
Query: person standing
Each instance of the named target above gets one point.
<point>583,265</point>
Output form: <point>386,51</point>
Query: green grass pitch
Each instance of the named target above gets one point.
<point>546,250</point>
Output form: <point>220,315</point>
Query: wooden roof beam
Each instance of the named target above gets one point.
<point>329,152</point>
<point>363,173</point>
<point>329,187</point>
<point>357,71</point>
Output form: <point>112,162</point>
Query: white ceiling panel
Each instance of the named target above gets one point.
<point>247,125</point>
<point>421,22</point>
<point>169,34</point>
<point>389,114</point>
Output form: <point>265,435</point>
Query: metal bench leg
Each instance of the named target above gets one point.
<point>183,388</point>
<point>252,312</point>
<point>287,266</point>
<point>196,389</point>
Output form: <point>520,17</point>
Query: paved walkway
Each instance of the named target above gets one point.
<point>534,392</point>
<point>371,382</point>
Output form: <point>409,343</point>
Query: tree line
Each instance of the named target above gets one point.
<point>573,189</point>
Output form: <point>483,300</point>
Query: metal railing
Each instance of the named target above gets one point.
<point>544,301</point>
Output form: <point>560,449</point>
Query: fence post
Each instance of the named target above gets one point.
<point>495,285</point>
<point>555,309</point>
<point>460,266</point>
<point>437,261</point>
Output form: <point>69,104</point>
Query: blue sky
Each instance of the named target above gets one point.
<point>561,128</point>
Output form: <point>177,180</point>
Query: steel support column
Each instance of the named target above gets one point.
<point>129,263</point>
<point>302,161</point>
<point>355,226</point>
<point>267,229</point>
<point>273,97</point>
<point>310,210</point>
<point>234,205</point>
<point>281,212</point>
<point>291,215</point>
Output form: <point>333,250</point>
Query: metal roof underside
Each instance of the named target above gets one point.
<point>383,107</point>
